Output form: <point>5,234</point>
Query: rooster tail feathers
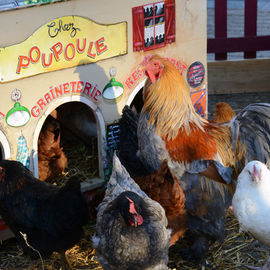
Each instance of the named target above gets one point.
<point>251,133</point>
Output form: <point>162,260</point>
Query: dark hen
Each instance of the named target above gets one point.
<point>49,216</point>
<point>131,228</point>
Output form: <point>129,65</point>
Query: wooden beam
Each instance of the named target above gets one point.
<point>243,44</point>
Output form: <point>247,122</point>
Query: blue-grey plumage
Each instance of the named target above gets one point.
<point>119,243</point>
<point>251,127</point>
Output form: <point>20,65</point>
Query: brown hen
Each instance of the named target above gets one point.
<point>164,188</point>
<point>52,160</point>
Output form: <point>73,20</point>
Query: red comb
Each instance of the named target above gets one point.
<point>132,209</point>
<point>146,59</point>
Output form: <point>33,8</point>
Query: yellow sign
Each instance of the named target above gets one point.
<point>62,43</point>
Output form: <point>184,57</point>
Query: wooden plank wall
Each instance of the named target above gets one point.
<point>242,76</point>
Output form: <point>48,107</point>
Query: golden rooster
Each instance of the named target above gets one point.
<point>169,128</point>
<point>197,149</point>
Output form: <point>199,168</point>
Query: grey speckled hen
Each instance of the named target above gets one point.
<point>121,244</point>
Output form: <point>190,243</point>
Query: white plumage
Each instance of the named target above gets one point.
<point>251,201</point>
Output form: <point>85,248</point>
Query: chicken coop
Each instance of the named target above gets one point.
<point>67,69</point>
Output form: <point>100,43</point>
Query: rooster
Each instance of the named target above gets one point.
<point>196,149</point>
<point>131,228</point>
<point>251,203</point>
<point>169,128</point>
<point>43,217</point>
<point>199,210</point>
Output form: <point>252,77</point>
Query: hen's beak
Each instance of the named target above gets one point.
<point>256,175</point>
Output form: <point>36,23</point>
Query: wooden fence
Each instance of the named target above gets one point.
<point>249,44</point>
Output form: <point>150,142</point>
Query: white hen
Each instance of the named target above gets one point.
<point>251,202</point>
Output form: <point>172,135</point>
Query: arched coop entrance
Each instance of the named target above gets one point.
<point>136,97</point>
<point>69,138</point>
<point>4,147</point>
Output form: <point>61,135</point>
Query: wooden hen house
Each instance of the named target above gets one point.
<point>79,62</point>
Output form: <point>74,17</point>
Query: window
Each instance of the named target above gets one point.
<point>153,25</point>
<point>13,4</point>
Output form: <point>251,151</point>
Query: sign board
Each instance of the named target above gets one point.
<point>62,43</point>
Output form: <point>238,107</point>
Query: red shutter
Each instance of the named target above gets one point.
<point>138,28</point>
<point>169,21</point>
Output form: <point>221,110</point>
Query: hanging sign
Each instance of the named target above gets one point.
<point>62,43</point>
<point>195,74</point>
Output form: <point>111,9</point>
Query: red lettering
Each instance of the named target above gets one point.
<point>2,114</point>
<point>97,94</point>
<point>90,54</point>
<point>79,86</point>
<point>65,88</point>
<point>35,111</point>
<point>47,97</point>
<point>44,64</point>
<point>35,48</point>
<point>56,51</point>
<point>93,91</point>
<point>51,91</point>
<point>41,103</point>
<point>73,86</point>
<point>100,46</point>
<point>87,88</point>
<point>23,63</point>
<point>71,45</point>
<point>58,91</point>
<point>81,50</point>
<point>129,83</point>
<point>135,75</point>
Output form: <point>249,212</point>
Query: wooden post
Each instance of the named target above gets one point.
<point>221,24</point>
<point>250,24</point>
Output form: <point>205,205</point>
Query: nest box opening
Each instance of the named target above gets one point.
<point>68,144</point>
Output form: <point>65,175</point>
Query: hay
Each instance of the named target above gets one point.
<point>238,250</point>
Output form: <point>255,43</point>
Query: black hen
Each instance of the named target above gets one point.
<point>128,146</point>
<point>50,217</point>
